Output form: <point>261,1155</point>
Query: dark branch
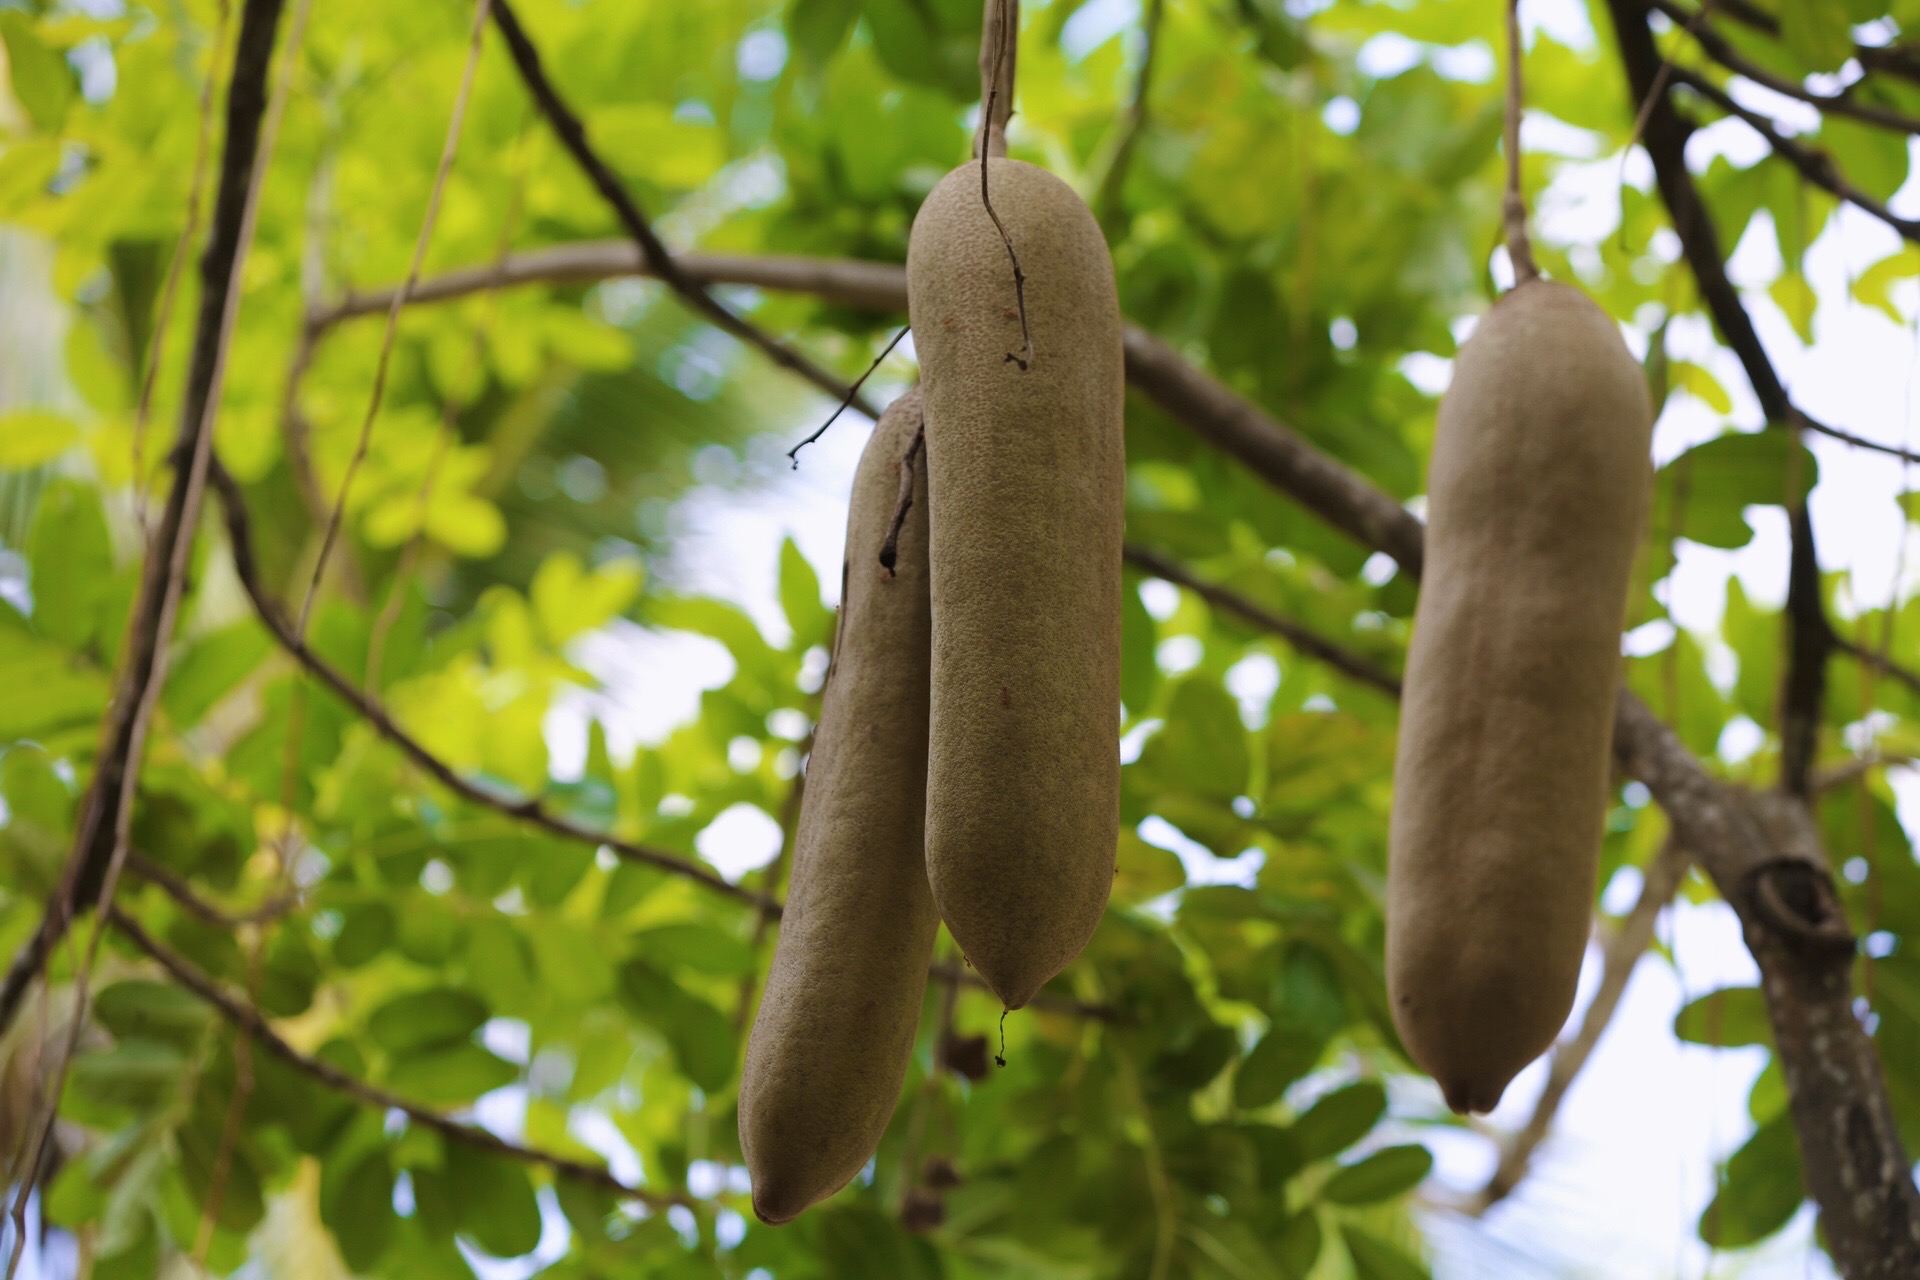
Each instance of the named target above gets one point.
<point>1810,638</point>
<point>573,136</point>
<point>170,883</point>
<point>1763,852</point>
<point>793,454</point>
<point>530,810</point>
<point>143,664</point>
<point>1722,51</point>
<point>1894,60</point>
<point>1815,165</point>
<point>1875,661</point>
<point>238,1011</point>
<point>1308,642</point>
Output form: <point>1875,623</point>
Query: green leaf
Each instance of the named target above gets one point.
<point>137,1007</point>
<point>72,561</point>
<point>1281,1057</point>
<point>493,1201</point>
<point>811,620</point>
<point>819,27</point>
<point>569,601</point>
<point>356,1204</point>
<point>424,1020</point>
<point>212,667</point>
<point>1704,492</point>
<point>1338,1120</point>
<point>1378,1259</point>
<point>1139,634</point>
<point>1761,1190</point>
<point>456,1073</point>
<point>1818,31</point>
<point>1202,748</point>
<point>30,437</point>
<point>1795,296</point>
<point>40,77</point>
<point>1381,1176</point>
<point>699,947</point>
<point>700,1035</point>
<point>1725,1019</point>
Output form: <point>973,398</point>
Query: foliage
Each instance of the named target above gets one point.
<point>1309,225</point>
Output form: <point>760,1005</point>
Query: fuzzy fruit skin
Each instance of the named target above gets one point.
<point>836,1025</point>
<point>1028,470</point>
<point>1537,493</point>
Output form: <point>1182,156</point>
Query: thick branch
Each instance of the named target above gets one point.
<point>1622,952</point>
<point>573,136</point>
<point>1306,641</point>
<point>530,811</point>
<point>1722,51</point>
<point>1762,850</point>
<point>248,1019</point>
<point>143,666</point>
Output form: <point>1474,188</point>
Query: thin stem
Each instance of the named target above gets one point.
<point>182,249</point>
<point>1519,246</point>
<point>661,263</point>
<point>793,454</point>
<point>890,547</point>
<point>448,150</point>
<point>370,709</point>
<point>249,1020</point>
<point>999,41</point>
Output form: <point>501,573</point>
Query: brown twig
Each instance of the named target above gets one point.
<point>248,1019</point>
<point>890,546</point>
<point>1622,952</point>
<point>1718,48</point>
<point>999,44</point>
<point>573,136</point>
<point>448,149</point>
<point>370,709</point>
<point>169,290</point>
<point>1874,660</point>
<point>170,882</point>
<point>793,454</point>
<point>1307,642</point>
<point>1814,164</point>
<point>1113,180</point>
<point>1519,245</point>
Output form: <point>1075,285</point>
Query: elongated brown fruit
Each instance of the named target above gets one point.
<point>836,1026</point>
<point>1023,774</point>
<point>1537,492</point>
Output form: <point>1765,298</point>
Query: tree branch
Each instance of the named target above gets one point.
<point>1763,851</point>
<point>1815,165</point>
<point>249,1020</point>
<point>1303,639</point>
<point>529,811</point>
<point>573,136</point>
<point>1875,661</point>
<point>1113,180</point>
<point>1717,47</point>
<point>1896,61</point>
<point>90,864</point>
<point>170,883</point>
<point>1622,952</point>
